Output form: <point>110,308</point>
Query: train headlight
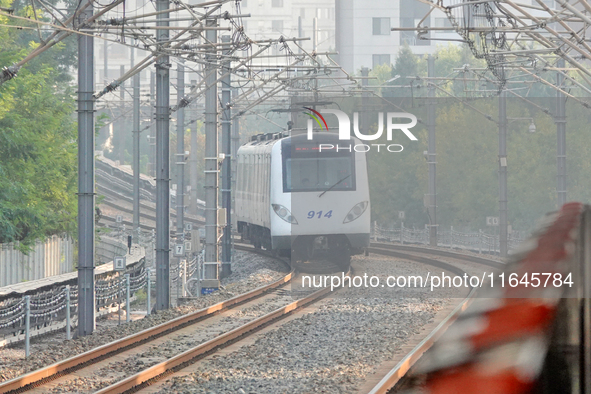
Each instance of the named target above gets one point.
<point>284,213</point>
<point>356,211</point>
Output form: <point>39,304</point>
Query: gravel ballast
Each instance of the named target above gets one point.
<point>331,349</point>
<point>249,271</point>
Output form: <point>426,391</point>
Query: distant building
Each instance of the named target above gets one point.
<point>363,35</point>
<point>292,18</point>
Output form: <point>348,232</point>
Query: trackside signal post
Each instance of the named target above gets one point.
<point>86,320</point>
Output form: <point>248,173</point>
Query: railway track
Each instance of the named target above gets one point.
<point>84,365</point>
<point>399,372</point>
<point>519,337</point>
<point>394,376</point>
<point>182,369</point>
<point>209,327</point>
<point>124,204</point>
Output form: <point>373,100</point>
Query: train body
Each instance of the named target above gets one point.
<point>301,196</point>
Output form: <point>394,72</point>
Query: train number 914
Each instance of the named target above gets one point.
<point>319,214</point>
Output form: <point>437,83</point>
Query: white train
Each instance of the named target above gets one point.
<point>295,195</point>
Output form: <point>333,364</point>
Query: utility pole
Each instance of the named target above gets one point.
<point>180,154</point>
<point>86,193</point>
<point>503,173</point>
<point>193,165</point>
<point>211,162</point>
<point>136,148</point>
<point>560,121</point>
<point>226,164</point>
<point>431,156</point>
<point>162,165</point>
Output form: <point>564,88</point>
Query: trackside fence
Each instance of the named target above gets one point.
<point>53,256</point>
<point>480,241</point>
<point>56,309</point>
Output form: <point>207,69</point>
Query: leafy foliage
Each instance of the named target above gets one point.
<point>37,141</point>
<point>467,150</point>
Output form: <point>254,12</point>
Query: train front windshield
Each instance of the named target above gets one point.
<point>306,169</point>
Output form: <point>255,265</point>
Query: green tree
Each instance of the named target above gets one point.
<point>37,141</point>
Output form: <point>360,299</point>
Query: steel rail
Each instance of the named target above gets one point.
<point>442,253</point>
<point>167,367</point>
<point>64,367</point>
<point>163,369</point>
<point>143,213</point>
<point>43,375</point>
<point>404,366</point>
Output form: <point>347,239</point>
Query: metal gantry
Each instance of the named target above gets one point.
<point>523,42</point>
<point>256,71</point>
<point>211,163</point>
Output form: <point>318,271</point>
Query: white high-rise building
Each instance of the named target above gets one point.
<point>292,18</point>
<point>364,37</point>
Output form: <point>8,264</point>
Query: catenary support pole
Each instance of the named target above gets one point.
<point>86,317</point>
<point>503,174</point>
<point>121,129</point>
<point>180,167</point>
<point>560,121</point>
<point>162,166</point>
<point>136,149</point>
<point>235,146</point>
<point>152,137</point>
<point>180,155</point>
<point>226,164</point>
<point>193,165</point>
<point>431,156</point>
<point>211,161</point>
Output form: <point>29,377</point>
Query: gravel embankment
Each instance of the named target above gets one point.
<point>249,272</point>
<point>333,348</point>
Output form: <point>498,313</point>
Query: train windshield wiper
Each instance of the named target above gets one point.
<point>333,186</point>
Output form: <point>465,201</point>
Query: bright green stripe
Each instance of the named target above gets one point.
<point>317,121</point>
